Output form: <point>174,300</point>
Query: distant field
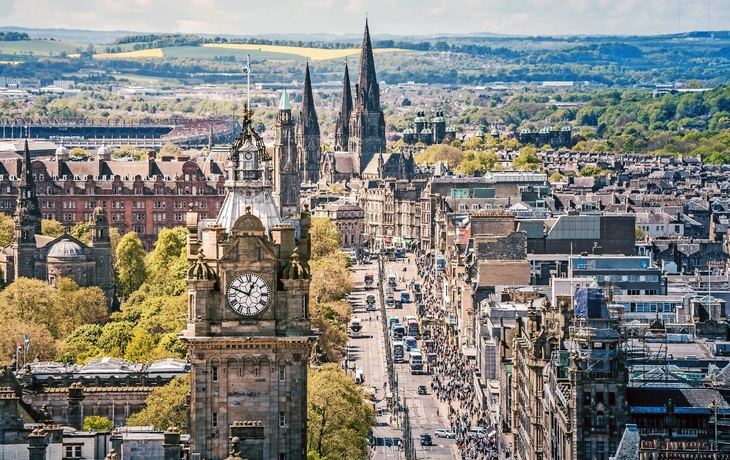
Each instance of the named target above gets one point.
<point>39,47</point>
<point>198,52</point>
<point>315,54</point>
<point>152,53</point>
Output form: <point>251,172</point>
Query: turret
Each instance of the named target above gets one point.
<point>342,128</point>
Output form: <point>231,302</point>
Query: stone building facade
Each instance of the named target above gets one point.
<point>349,219</point>
<point>33,255</point>
<point>248,330</point>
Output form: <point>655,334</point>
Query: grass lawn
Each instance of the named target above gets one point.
<point>199,52</point>
<point>38,47</point>
<point>146,54</point>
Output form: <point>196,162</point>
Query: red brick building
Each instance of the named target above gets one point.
<point>138,196</point>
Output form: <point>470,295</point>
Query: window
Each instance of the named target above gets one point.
<point>215,420</point>
<point>73,451</point>
<point>586,398</point>
<point>612,398</point>
<point>282,456</point>
<point>282,373</point>
<point>179,217</point>
<point>215,373</point>
<point>282,420</point>
<point>588,449</point>
<point>600,419</point>
<point>599,450</point>
<point>159,205</point>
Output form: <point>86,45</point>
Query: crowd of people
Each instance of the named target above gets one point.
<point>453,376</point>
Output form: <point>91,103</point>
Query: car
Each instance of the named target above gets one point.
<point>441,433</point>
<point>370,307</point>
<point>422,390</point>
<point>426,439</point>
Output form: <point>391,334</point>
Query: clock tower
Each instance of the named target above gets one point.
<point>248,331</point>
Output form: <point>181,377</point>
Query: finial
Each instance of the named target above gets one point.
<point>248,209</point>
<point>201,256</point>
<point>191,207</point>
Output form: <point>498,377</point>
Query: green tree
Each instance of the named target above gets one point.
<point>338,417</point>
<point>325,237</point>
<point>80,346</point>
<point>12,331</point>
<point>30,300</point>
<point>52,227</point>
<point>78,152</point>
<point>331,279</point>
<point>639,234</point>
<point>7,226</point>
<point>527,160</point>
<point>81,232</point>
<point>555,177</point>
<point>140,347</point>
<point>170,150</point>
<point>167,264</point>
<point>440,152</point>
<point>591,171</point>
<point>130,265</point>
<point>114,338</point>
<point>76,306</point>
<point>165,406</point>
<point>96,423</point>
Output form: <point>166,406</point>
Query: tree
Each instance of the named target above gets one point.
<point>591,171</point>
<point>170,150</point>
<point>30,300</point>
<point>12,332</point>
<point>165,406</point>
<point>332,319</point>
<point>130,265</point>
<point>78,306</point>
<point>114,338</point>
<point>140,347</point>
<point>331,279</point>
<point>338,418</point>
<point>527,160</point>
<point>7,226</point>
<point>556,177</point>
<point>168,261</point>
<point>52,227</point>
<point>325,237</point>
<point>440,152</point>
<point>96,423</point>
<point>78,152</point>
<point>80,346</point>
<point>639,234</point>
<point>81,232</point>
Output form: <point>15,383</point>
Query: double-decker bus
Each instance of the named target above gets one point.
<point>440,263</point>
<point>355,328</point>
<point>413,329</point>
<point>398,352</point>
<point>416,361</point>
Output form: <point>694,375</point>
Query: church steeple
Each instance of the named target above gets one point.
<point>27,213</point>
<point>367,122</point>
<point>308,134</point>
<point>367,90</point>
<point>342,128</point>
<point>286,171</point>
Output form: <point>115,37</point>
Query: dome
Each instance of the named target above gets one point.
<point>479,133</point>
<point>103,150</point>
<point>61,151</point>
<point>66,249</point>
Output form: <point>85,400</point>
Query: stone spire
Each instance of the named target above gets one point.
<point>27,203</point>
<point>367,90</point>
<point>308,140</point>
<point>308,116</point>
<point>342,128</point>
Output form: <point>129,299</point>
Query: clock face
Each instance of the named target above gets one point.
<point>248,155</point>
<point>248,295</point>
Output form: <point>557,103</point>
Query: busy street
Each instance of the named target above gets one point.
<point>431,409</point>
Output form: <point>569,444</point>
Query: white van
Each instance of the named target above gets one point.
<point>478,432</point>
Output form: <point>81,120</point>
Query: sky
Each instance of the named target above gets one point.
<point>397,17</point>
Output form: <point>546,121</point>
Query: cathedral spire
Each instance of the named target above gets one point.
<point>308,117</point>
<point>367,91</point>
<point>27,212</point>
<point>342,128</point>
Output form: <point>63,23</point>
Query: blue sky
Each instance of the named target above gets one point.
<point>402,17</point>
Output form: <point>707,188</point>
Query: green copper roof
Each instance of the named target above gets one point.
<point>284,104</point>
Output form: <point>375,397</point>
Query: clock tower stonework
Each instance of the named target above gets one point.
<point>248,331</point>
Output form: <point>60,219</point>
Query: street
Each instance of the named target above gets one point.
<point>425,413</point>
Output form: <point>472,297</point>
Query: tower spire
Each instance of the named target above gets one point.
<point>368,92</point>
<point>308,118</point>
<point>308,140</point>
<point>342,128</point>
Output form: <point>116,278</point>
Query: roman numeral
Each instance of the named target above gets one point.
<point>264,294</point>
<point>234,302</point>
<point>262,302</point>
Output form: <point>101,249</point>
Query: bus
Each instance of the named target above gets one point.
<point>410,343</point>
<point>412,328</point>
<point>440,263</point>
<point>405,297</point>
<point>398,352</point>
<point>399,331</point>
<point>400,252</point>
<point>355,328</point>
<point>416,361</point>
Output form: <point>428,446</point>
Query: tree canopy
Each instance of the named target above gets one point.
<point>165,406</point>
<point>131,271</point>
<point>325,237</point>
<point>527,160</point>
<point>338,417</point>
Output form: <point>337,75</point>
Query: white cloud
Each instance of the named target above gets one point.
<point>406,17</point>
